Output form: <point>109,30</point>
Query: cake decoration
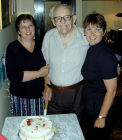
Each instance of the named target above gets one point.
<point>36,128</point>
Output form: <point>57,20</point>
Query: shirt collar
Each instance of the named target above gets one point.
<point>57,33</point>
<point>98,44</point>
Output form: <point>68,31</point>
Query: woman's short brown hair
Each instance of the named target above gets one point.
<point>95,18</point>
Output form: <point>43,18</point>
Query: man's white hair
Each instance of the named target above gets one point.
<point>51,13</point>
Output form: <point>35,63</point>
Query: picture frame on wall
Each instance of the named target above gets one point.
<point>5,13</point>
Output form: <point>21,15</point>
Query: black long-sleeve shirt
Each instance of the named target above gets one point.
<point>18,60</point>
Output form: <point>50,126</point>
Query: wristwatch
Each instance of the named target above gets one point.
<point>101,117</point>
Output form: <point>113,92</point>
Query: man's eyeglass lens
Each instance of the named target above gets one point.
<point>66,18</point>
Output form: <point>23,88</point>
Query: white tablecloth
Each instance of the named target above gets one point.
<point>66,124</point>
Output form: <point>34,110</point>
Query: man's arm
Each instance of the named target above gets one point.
<point>47,94</point>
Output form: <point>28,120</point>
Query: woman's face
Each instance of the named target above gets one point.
<point>94,34</point>
<point>26,29</point>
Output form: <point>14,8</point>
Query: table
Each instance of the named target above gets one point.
<point>67,125</point>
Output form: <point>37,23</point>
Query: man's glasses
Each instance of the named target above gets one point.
<point>66,18</point>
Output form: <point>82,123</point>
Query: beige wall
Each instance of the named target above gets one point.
<point>7,35</point>
<point>108,8</point>
<point>79,12</point>
<point>25,6</point>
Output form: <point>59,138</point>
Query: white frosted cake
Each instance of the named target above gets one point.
<point>36,128</point>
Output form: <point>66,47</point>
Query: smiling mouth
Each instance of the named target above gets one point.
<point>28,33</point>
<point>92,38</point>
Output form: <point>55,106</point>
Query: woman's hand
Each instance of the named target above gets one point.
<point>44,71</point>
<point>99,123</point>
<point>30,75</point>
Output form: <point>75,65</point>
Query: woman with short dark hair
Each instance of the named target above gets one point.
<point>100,75</point>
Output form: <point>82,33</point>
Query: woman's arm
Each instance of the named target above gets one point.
<point>12,70</point>
<point>30,75</point>
<point>14,73</point>
<point>111,86</point>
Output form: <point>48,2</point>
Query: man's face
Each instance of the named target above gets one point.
<point>63,20</point>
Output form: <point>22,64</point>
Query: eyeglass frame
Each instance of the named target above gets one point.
<point>64,18</point>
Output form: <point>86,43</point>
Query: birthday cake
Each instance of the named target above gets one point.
<point>36,128</point>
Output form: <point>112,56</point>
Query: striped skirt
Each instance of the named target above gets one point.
<point>26,107</point>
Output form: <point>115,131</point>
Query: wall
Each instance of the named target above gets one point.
<point>7,35</point>
<point>79,12</point>
<point>25,6</point>
<point>108,8</point>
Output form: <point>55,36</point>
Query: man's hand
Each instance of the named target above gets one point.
<point>47,94</point>
<point>118,69</point>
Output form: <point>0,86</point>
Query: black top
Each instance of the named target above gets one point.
<point>100,64</point>
<point>18,60</point>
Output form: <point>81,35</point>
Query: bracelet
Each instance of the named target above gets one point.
<point>101,117</point>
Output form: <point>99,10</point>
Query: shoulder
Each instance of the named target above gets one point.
<point>105,53</point>
<point>13,43</point>
<point>80,37</point>
<point>50,36</point>
<point>13,46</point>
<point>51,33</point>
<point>80,30</point>
<point>107,62</point>
<point>105,49</point>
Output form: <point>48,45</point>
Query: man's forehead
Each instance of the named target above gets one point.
<point>61,11</point>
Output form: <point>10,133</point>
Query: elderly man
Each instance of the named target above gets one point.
<point>64,49</point>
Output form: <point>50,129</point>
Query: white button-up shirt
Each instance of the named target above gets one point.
<point>65,62</point>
